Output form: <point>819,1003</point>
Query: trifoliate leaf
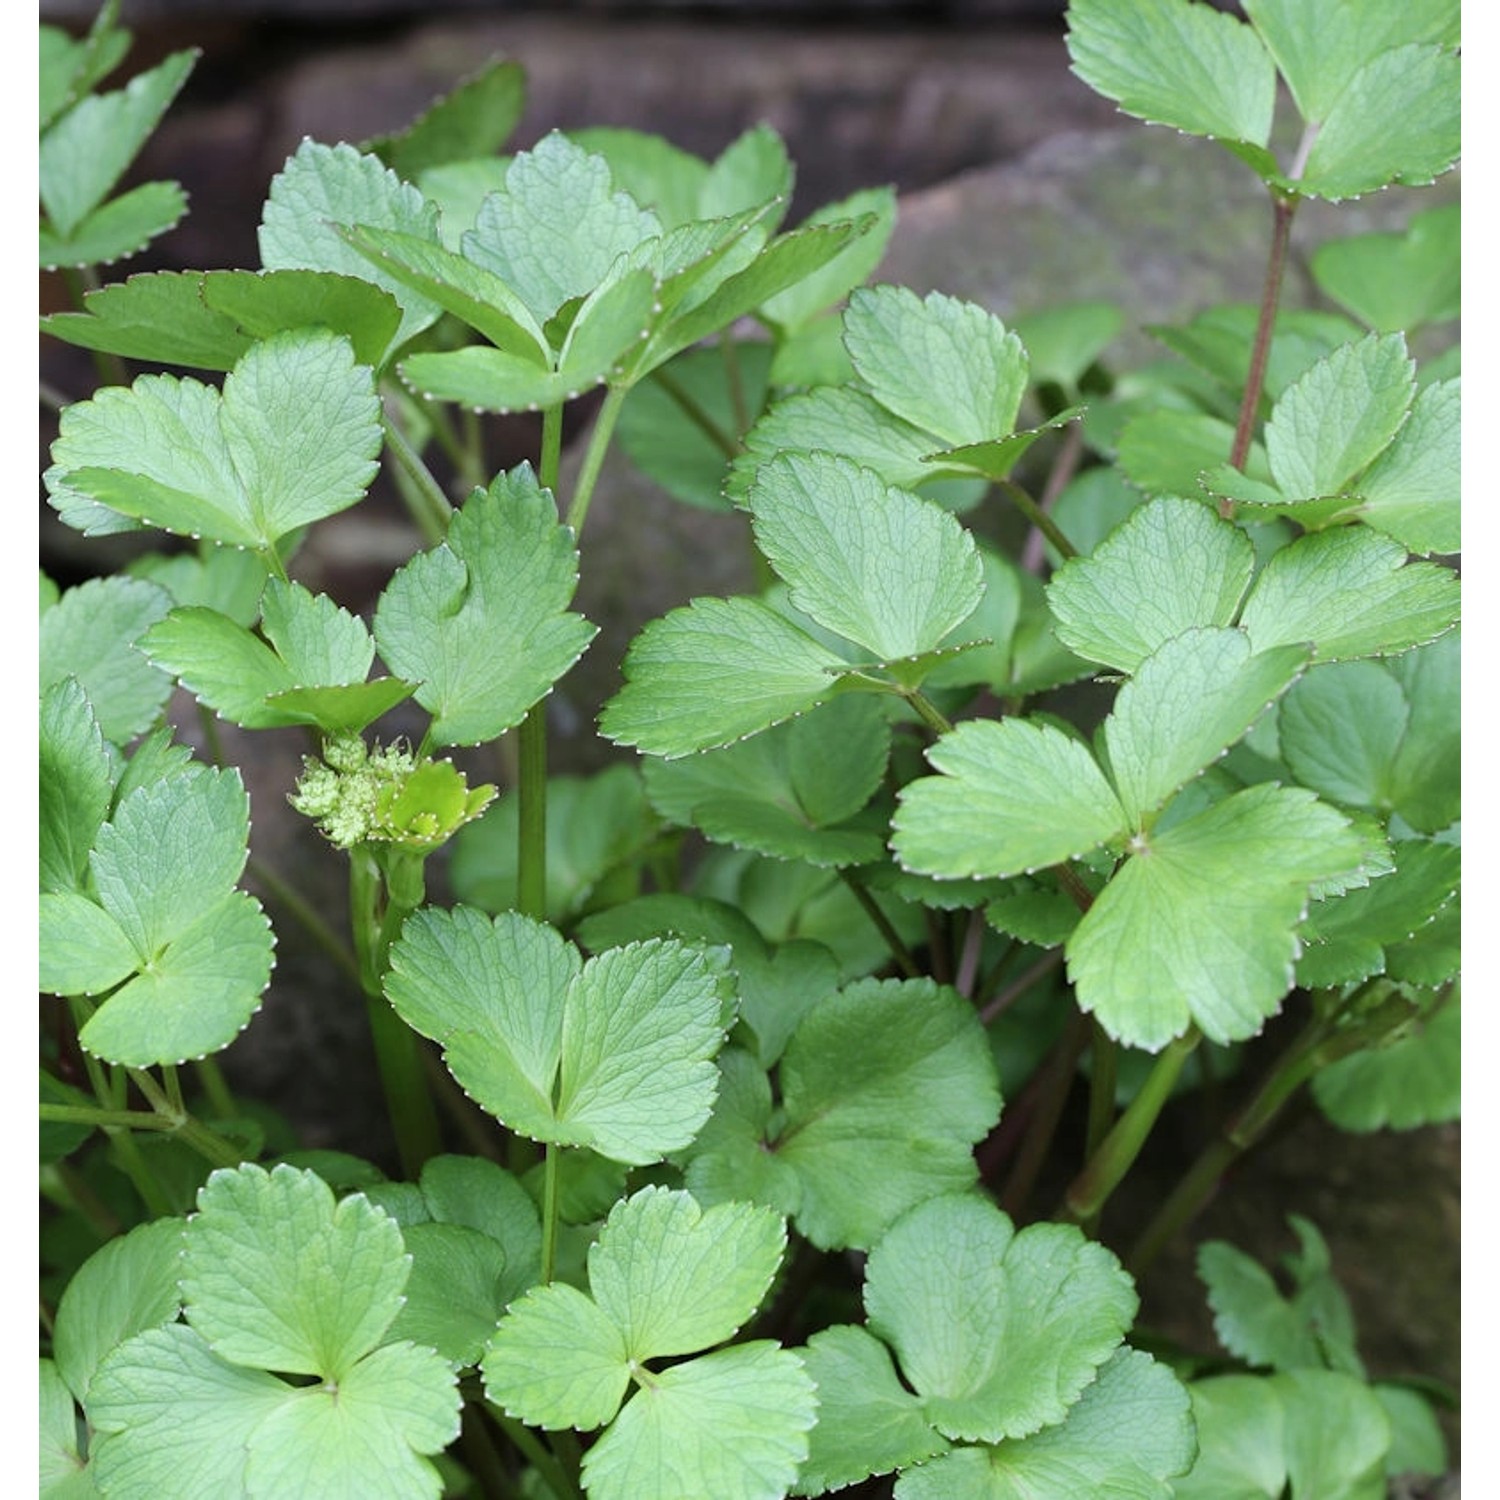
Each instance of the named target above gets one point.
<point>973,1311</point>
<point>83,950</point>
<point>1392,282</point>
<point>1126,1435</point>
<point>886,1086</point>
<point>1011,797</point>
<point>76,785</point>
<point>90,634</point>
<point>787,791</point>
<point>1191,699</point>
<point>475,118</point>
<point>674,1277</point>
<point>293,438</point>
<point>868,1422</point>
<point>674,700</point>
<point>1410,1081</point>
<point>481,621</point>
<point>88,149</point>
<point>69,67</point>
<point>452,1298</point>
<point>1411,492</point>
<point>1396,120</point>
<point>1349,592</point>
<point>1172,62</point>
<point>127,1286</point>
<point>732,1424</point>
<point>121,227</point>
<point>1172,565</point>
<point>873,563</point>
<point>1311,1329</point>
<point>1198,926</point>
<point>277,1274</point>
<point>556,228</point>
<point>323,189</point>
<point>947,366</point>
<point>614,1054</point>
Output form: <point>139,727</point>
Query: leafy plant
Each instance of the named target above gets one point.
<point>723,1087</point>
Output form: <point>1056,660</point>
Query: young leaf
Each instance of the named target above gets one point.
<point>475,118</point>
<point>614,1054</point>
<point>323,189</point>
<point>798,305</point>
<point>1392,282</point>
<point>959,1295</point>
<point>556,228</point>
<point>90,635</point>
<point>874,564</point>
<point>1411,492</point>
<point>1178,63</point>
<point>1349,592</point>
<point>948,367</point>
<point>1199,926</point>
<point>452,1298</point>
<point>1172,565</point>
<point>479,1195</point>
<point>674,700</point>
<point>752,169</point>
<point>76,785</point>
<point>69,67</point>
<point>786,791</point>
<point>1335,1433</point>
<point>481,621</point>
<point>293,438</point>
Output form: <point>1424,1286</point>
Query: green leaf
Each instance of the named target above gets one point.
<point>1417,1442</point>
<point>229,580</point>
<point>671,447</point>
<point>1392,282</point>
<point>475,118</point>
<point>121,227</point>
<point>1312,1329</point>
<point>1349,592</point>
<point>1198,926</point>
<point>83,950</point>
<point>1331,423</point>
<point>947,366</point>
<point>64,1473</point>
<point>158,316</point>
<point>752,169</point>
<point>553,232</point>
<point>76,785</point>
<point>887,1086</point>
<point>1190,700</point>
<point>1064,341</point>
<point>868,1422</point>
<point>89,635</point>
<point>477,1194</point>
<point>1176,63</point>
<point>871,562</point>
<point>69,67</point>
<point>1168,452</point>
<point>294,438</point>
<point>973,1311</point>
<point>1411,492</point>
<point>1125,1436</point>
<point>1241,1428</point>
<point>796,307</point>
<point>125,1287</point>
<point>785,792</point>
<point>87,150</point>
<point>614,1054</point>
<point>658,175</point>
<point>674,1277</point>
<point>1396,120</point>
<point>732,1424</point>
<point>1010,797</point>
<point>481,621</point>
<point>674,700</point>
<point>1172,565</point>
<point>1335,1435</point>
<point>278,1274</point>
<point>1411,1081</point>
<point>453,1296</point>
<point>324,189</point>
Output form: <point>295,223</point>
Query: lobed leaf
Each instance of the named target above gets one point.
<point>119,228</point>
<point>76,785</point>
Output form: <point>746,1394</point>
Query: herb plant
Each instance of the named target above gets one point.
<point>724,1081</point>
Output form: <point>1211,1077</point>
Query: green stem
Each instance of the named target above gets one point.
<point>482,1457</point>
<point>935,721</point>
<point>1314,1048</point>
<point>376,919</point>
<point>88,1114</point>
<point>429,506</point>
<point>531,819</point>
<point>173,1088</point>
<point>1103,1079</point>
<point>899,951</point>
<point>1260,352</point>
<point>1117,1152</point>
<point>549,1214</point>
<point>215,1089</point>
<point>535,1452</point>
<point>63,1184</point>
<point>593,458</point>
<point>737,403</point>
<point>80,281</point>
<point>696,413</point>
<point>153,1195</point>
<point>1057,1081</point>
<point>209,1144</point>
<point>972,952</point>
<point>1038,517</point>
<point>307,916</point>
